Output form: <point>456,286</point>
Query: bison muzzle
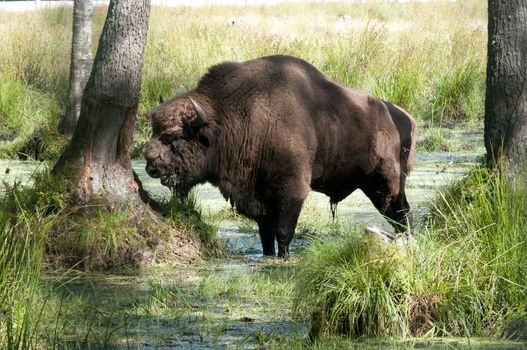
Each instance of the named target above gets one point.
<point>268,131</point>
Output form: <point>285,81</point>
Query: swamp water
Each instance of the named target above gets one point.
<point>241,301</point>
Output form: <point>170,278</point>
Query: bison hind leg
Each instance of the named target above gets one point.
<point>398,213</point>
<point>390,200</point>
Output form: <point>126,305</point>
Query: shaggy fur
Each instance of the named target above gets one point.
<point>275,129</point>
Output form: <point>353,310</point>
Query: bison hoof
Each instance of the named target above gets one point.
<point>283,252</point>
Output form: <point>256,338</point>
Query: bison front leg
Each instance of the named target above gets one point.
<point>267,236</point>
<point>279,224</point>
<point>282,223</point>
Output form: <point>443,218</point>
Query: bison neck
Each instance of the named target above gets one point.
<point>238,183</point>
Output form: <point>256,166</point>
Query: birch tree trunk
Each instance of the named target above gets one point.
<point>97,162</point>
<point>506,96</point>
<point>81,63</point>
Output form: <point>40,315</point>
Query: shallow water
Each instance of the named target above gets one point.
<point>199,322</point>
<point>205,324</point>
<point>431,171</point>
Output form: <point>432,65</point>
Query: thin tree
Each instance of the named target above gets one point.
<point>97,162</point>
<point>506,96</point>
<point>80,65</point>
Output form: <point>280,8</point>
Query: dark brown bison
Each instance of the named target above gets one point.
<point>268,131</point>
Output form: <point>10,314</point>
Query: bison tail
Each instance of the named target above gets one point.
<point>410,153</point>
<point>407,129</point>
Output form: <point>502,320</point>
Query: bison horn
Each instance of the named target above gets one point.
<point>200,119</point>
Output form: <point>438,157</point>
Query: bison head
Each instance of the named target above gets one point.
<point>177,150</point>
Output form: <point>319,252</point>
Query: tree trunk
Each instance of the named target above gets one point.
<point>97,162</point>
<point>81,63</point>
<point>506,96</point>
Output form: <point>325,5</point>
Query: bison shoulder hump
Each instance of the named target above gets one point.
<point>218,73</point>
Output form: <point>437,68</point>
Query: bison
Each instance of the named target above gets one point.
<point>269,130</point>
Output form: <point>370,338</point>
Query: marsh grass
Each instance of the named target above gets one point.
<point>21,255</point>
<point>186,213</point>
<point>41,234</point>
<point>466,276</point>
<point>487,211</point>
<point>428,58</point>
<point>194,306</point>
<point>95,237</point>
<point>98,238</point>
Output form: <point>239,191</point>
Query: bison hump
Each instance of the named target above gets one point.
<point>218,73</point>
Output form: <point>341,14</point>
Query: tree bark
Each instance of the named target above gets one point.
<point>506,95</point>
<point>81,63</point>
<point>97,162</point>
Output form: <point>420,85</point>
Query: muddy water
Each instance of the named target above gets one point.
<point>217,321</point>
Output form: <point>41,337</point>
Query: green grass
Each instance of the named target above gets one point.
<point>41,234</point>
<point>466,276</point>
<point>191,305</point>
<point>428,58</point>
<point>186,213</point>
<point>28,119</point>
<point>21,255</point>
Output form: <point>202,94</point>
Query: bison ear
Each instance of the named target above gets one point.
<point>201,118</point>
<point>161,99</point>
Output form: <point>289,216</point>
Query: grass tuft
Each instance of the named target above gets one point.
<point>466,276</point>
<point>186,213</point>
<point>351,285</point>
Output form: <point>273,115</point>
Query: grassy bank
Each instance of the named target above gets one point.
<point>39,233</point>
<point>428,58</point>
<point>464,276</point>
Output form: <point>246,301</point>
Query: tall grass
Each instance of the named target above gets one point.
<point>24,224</point>
<point>489,213</point>
<point>37,234</point>
<point>466,276</point>
<point>428,58</point>
<point>34,53</point>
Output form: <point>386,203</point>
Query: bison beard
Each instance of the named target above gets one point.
<point>268,131</point>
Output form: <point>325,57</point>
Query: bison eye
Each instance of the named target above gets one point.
<point>188,133</point>
<point>165,138</point>
<point>203,140</point>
